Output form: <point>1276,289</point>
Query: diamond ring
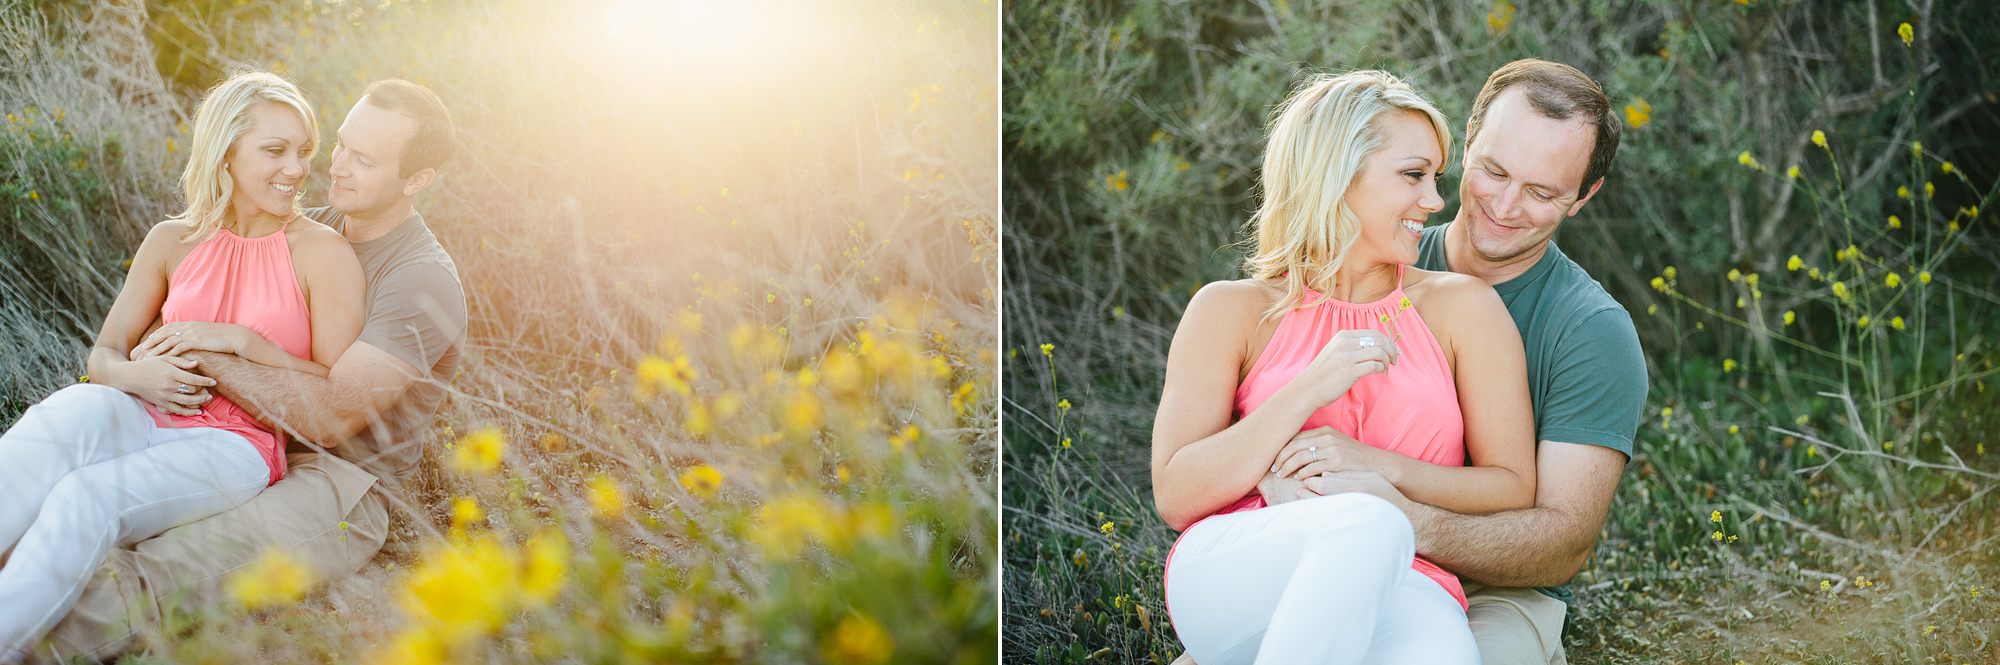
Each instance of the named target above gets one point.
<point>1366,342</point>
<point>185,389</point>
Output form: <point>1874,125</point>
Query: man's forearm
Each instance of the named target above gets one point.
<point>288,401</point>
<point>1517,548</point>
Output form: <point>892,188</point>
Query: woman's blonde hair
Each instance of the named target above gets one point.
<point>1319,139</point>
<point>224,117</point>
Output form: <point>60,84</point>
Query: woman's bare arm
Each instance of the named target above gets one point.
<point>156,380</point>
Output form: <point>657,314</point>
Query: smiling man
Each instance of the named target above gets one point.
<point>329,514</point>
<point>1538,147</point>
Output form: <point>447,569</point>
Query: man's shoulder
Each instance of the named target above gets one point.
<point>1576,300</point>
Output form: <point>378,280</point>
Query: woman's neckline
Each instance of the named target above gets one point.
<point>1314,298</point>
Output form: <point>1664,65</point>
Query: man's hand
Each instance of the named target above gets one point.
<point>1278,489</point>
<point>1327,484</point>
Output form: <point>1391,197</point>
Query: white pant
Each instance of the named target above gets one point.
<point>86,470</point>
<point>1322,580</point>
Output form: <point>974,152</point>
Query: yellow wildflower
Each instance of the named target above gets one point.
<point>858,640</point>
<point>1794,263</point>
<point>1813,273</point>
<point>1893,280</point>
<point>1819,138</point>
<point>1792,171</point>
<point>1924,276</point>
<point>1790,316</point>
<point>1080,559</point>
<point>606,497</point>
<point>1840,290</point>
<point>1947,167</point>
<point>1929,190</point>
<point>1895,222</point>
<point>1717,536</point>
<point>1659,285</point>
<point>789,522</point>
<point>702,481</point>
<point>1896,323</point>
<point>1500,17</point>
<point>1902,192</point>
<point>1666,412</point>
<point>1909,35</point>
<point>548,556</point>
<point>414,646</point>
<point>1746,160</point>
<point>1715,516</point>
<point>1863,322</point>
<point>1049,350</point>
<point>1669,272</point>
<point>479,452</point>
<point>1733,429</point>
<point>1064,404</point>
<point>277,578</point>
<point>1638,113</point>
<point>678,375</point>
<point>461,590</point>
<point>1728,365</point>
<point>1735,275</point>
<point>803,414</point>
<point>465,510</point>
<point>1108,528</point>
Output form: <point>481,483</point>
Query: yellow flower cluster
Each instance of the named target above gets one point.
<point>277,578</point>
<point>465,588</point>
<point>858,640</point>
<point>702,480</point>
<point>786,525</point>
<point>479,452</point>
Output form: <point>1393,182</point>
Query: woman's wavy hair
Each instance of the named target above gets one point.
<point>1319,139</point>
<point>224,117</point>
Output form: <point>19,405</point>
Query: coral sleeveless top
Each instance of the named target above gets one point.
<point>249,282</point>
<point>1411,409</point>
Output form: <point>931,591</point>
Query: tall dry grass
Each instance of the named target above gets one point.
<point>731,360</point>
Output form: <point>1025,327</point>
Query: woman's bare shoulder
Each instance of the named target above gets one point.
<point>1243,300</point>
<point>1444,287</point>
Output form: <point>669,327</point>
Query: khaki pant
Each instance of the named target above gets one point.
<point>322,514</point>
<point>1515,626</point>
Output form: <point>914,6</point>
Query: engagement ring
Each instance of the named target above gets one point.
<point>1367,342</point>
<point>185,389</point>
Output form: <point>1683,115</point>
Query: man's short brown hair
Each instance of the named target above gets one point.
<point>435,140</point>
<point>1558,92</point>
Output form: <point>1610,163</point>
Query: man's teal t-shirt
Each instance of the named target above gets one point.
<point>1586,374</point>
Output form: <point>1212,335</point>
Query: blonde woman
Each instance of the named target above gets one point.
<point>143,447</point>
<point>1334,330</point>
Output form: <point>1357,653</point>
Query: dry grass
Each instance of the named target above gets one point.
<point>768,261</point>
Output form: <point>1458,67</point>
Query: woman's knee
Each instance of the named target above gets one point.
<point>82,404</point>
<point>76,500</point>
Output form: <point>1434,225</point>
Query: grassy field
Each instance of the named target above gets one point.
<point>730,387</point>
<point>1799,221</point>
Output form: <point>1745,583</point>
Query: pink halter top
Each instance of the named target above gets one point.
<point>1411,409</point>
<point>249,282</point>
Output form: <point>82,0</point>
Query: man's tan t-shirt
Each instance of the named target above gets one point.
<point>415,310</point>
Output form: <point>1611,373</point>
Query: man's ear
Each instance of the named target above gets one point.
<point>419,181</point>
<point>1586,197</point>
